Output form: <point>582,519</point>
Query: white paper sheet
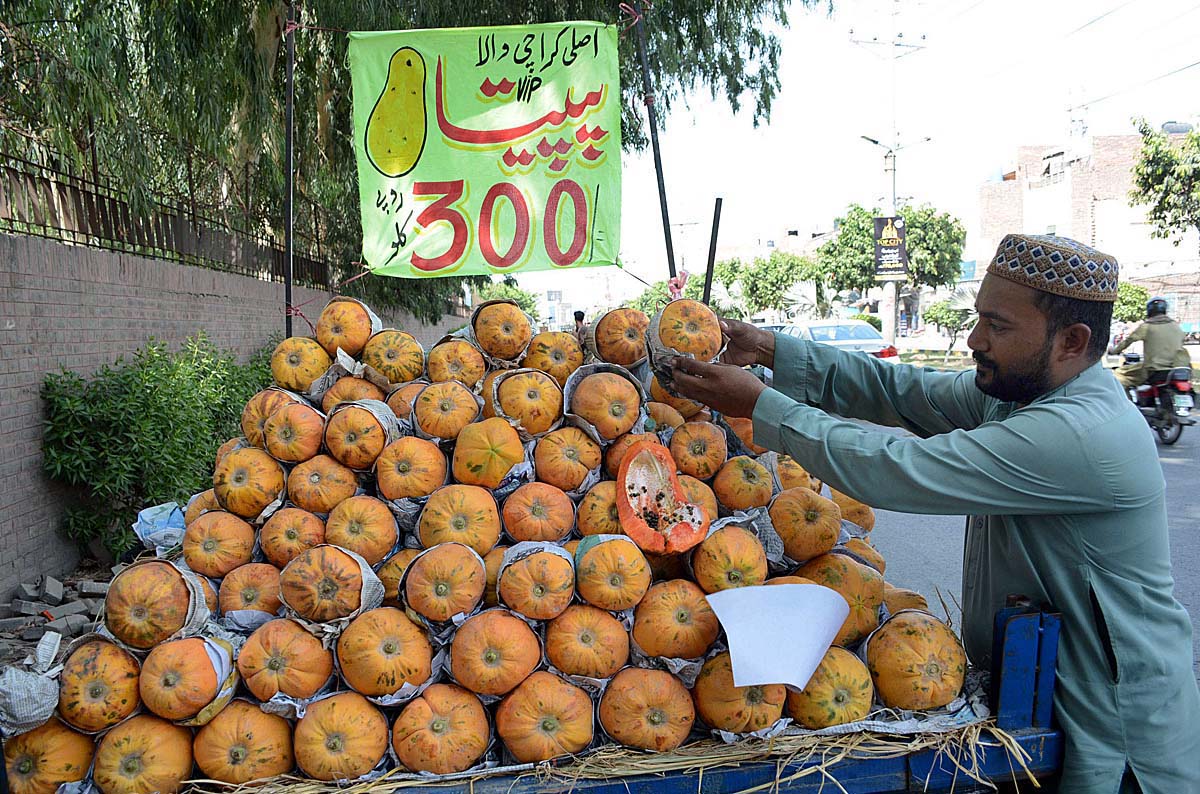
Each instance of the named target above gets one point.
<point>778,634</point>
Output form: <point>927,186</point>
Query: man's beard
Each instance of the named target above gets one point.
<point>1017,386</point>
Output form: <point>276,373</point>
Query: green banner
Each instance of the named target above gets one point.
<point>488,150</point>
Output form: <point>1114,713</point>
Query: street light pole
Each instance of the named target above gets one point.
<point>889,164</point>
<point>899,47</point>
<point>891,289</point>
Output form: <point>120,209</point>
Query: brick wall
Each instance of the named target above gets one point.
<point>1105,174</point>
<point>1001,212</point>
<point>1089,203</point>
<point>1112,161</point>
<point>79,308</point>
<point>1030,162</point>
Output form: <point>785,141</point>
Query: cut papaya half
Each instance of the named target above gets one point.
<point>653,506</point>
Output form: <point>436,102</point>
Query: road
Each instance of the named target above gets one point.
<point>925,552</point>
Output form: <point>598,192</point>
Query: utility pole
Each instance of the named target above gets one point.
<point>682,228</point>
<point>896,47</point>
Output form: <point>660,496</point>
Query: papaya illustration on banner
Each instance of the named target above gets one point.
<point>488,150</point>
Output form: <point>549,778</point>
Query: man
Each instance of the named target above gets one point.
<point>1162,346</point>
<point>581,328</point>
<point>1053,464</point>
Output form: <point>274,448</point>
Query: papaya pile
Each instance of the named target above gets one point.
<point>498,549</point>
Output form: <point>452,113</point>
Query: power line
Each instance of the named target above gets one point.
<point>1085,26</point>
<point>929,13</point>
<point>1089,23</point>
<point>1094,20</point>
<point>967,10</point>
<point>1170,21</point>
<point>1129,88</point>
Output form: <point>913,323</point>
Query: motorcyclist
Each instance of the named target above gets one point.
<point>1162,346</point>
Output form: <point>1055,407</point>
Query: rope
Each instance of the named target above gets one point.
<point>365,272</point>
<point>290,27</point>
<point>632,18</point>
<point>630,15</point>
<point>647,99</point>
<point>293,310</point>
<point>631,274</point>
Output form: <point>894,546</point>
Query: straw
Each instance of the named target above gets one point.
<point>817,754</point>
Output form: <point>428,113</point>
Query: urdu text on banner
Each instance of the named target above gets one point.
<point>488,150</point>
<point>891,250</point>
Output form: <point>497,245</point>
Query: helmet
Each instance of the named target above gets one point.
<point>1156,306</point>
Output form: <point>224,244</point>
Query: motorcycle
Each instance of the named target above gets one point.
<point>1165,399</point>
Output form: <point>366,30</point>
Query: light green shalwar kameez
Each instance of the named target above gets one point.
<point>1066,499</point>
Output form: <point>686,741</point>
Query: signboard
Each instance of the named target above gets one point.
<point>488,150</point>
<point>891,257</point>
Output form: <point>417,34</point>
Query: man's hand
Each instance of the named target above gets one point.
<point>731,390</point>
<point>748,345</point>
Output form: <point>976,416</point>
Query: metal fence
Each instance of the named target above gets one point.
<point>40,200</point>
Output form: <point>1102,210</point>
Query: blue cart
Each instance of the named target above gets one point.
<point>1021,698</point>
<point>1022,692</point>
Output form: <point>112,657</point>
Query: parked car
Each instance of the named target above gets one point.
<point>851,335</point>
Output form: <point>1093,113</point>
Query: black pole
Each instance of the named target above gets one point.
<point>291,174</point>
<point>649,98</point>
<point>712,250</point>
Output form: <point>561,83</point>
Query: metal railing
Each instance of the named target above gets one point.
<point>41,200</point>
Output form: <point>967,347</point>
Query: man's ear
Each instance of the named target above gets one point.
<point>1073,341</point>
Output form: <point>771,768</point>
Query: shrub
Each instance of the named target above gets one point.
<point>143,431</point>
<point>1131,302</point>
<point>951,320</point>
<point>873,319</point>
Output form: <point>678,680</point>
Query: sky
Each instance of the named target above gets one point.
<point>991,75</point>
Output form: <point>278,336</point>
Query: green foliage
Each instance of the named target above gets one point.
<point>767,281</point>
<point>655,297</point>
<point>426,299</point>
<point>1131,302</point>
<point>184,98</point>
<point>143,432</point>
<point>935,242</point>
<point>1166,177</point>
<point>849,258</point>
<point>950,318</point>
<point>508,290</point>
<point>873,319</point>
<point>796,299</point>
<point>728,294</point>
<point>945,316</point>
<point>727,272</point>
<point>741,289</point>
<point>935,245</point>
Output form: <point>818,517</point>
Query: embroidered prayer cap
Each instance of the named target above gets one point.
<point>1056,265</point>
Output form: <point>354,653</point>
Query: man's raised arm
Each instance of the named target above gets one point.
<point>858,385</point>
<point>1000,468</point>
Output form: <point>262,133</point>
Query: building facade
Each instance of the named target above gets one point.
<point>1082,191</point>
